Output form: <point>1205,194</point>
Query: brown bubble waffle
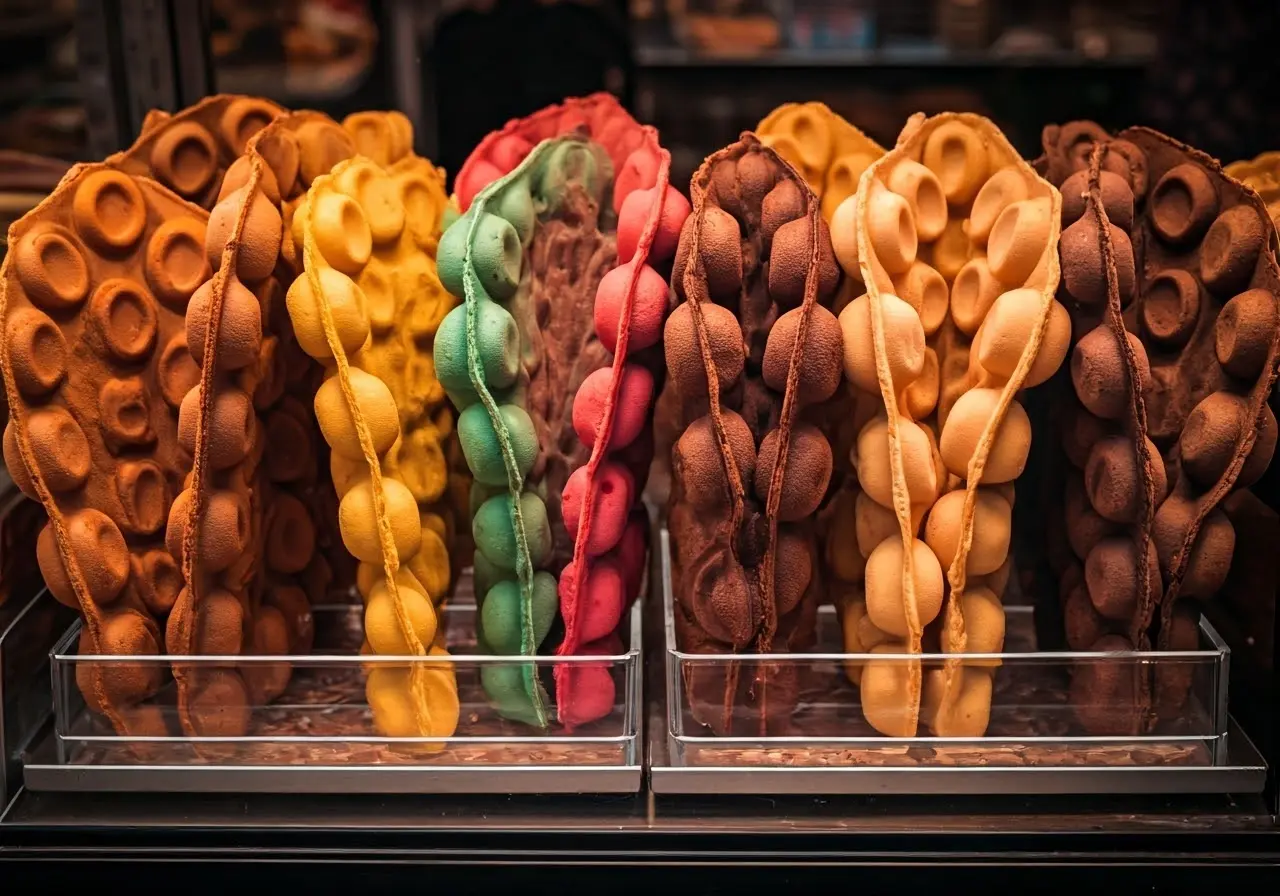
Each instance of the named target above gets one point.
<point>190,151</point>
<point>1261,174</point>
<point>1162,246</point>
<point>367,305</point>
<point>956,238</point>
<point>96,365</point>
<point>752,464</point>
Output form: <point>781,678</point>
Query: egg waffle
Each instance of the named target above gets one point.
<point>827,151</point>
<point>96,365</point>
<point>553,362</point>
<point>756,276</point>
<point>1166,248</point>
<point>368,305</point>
<point>190,151</point>
<point>254,391</point>
<point>956,240</point>
<point>1262,174</point>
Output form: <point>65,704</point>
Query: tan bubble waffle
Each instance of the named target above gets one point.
<point>956,238</point>
<point>96,365</point>
<point>753,463</point>
<point>1261,174</point>
<point>368,305</point>
<point>1162,246</point>
<point>190,151</point>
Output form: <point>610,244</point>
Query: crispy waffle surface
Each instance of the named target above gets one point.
<point>567,226</point>
<point>1171,425</point>
<point>190,151</point>
<point>756,275</point>
<point>368,305</point>
<point>955,237</point>
<point>96,366</point>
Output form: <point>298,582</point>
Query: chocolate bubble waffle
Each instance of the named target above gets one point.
<point>753,352</point>
<point>567,219</point>
<point>956,239</point>
<point>1262,174</point>
<point>827,151</point>
<point>368,305</point>
<point>96,366</point>
<point>1171,270</point>
<point>190,151</point>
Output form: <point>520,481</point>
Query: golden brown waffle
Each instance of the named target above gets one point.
<point>1163,246</point>
<point>956,240</point>
<point>752,464</point>
<point>368,305</point>
<point>190,151</point>
<point>96,366</point>
<point>251,365</point>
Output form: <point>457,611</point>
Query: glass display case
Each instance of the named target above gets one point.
<point>385,524</point>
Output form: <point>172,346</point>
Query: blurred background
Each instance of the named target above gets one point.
<point>701,70</point>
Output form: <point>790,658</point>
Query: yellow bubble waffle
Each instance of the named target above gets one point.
<point>367,305</point>
<point>827,151</point>
<point>956,238</point>
<point>96,365</point>
<point>1263,175</point>
<point>190,151</point>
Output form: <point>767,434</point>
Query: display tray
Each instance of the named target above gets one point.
<point>1034,744</point>
<point>318,736</point>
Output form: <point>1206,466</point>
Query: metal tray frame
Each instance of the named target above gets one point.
<point>1238,767</point>
<point>43,770</point>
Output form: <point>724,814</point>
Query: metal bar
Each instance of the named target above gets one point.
<point>100,64</point>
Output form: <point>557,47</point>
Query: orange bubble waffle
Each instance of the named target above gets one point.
<point>96,366</point>
<point>368,305</point>
<point>1166,250</point>
<point>827,151</point>
<point>956,238</point>
<point>1262,175</point>
<point>754,354</point>
<point>567,220</point>
<point>190,151</point>
<point>251,528</point>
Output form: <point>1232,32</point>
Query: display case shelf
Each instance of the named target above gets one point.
<point>1035,742</point>
<point>319,737</point>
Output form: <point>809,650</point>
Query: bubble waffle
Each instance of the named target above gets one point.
<point>96,364</point>
<point>827,151</point>
<point>751,466</point>
<point>368,306</point>
<point>190,151</point>
<point>956,240</point>
<point>1165,248</point>
<point>254,446</point>
<point>1262,175</point>
<point>556,431</point>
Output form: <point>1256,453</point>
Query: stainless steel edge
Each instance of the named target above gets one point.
<point>1245,773</point>
<point>333,779</point>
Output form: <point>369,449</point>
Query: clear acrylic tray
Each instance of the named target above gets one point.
<point>1033,744</point>
<point>318,736</point>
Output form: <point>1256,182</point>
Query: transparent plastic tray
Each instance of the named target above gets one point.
<point>1033,744</point>
<point>318,736</point>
